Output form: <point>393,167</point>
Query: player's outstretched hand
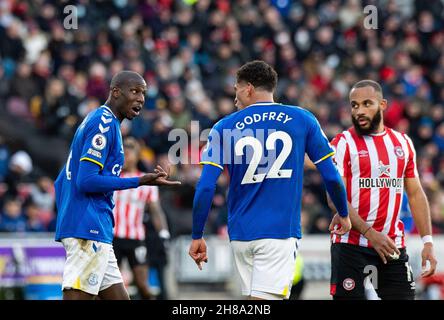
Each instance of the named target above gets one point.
<point>383,245</point>
<point>198,251</point>
<point>158,178</point>
<point>428,255</point>
<point>343,221</point>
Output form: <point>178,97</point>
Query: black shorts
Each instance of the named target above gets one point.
<point>351,264</point>
<point>133,250</point>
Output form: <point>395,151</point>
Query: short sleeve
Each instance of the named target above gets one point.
<point>411,170</point>
<point>213,152</point>
<point>98,141</point>
<point>317,146</point>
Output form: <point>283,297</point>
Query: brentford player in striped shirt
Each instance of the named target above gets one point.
<point>129,230</point>
<point>377,164</point>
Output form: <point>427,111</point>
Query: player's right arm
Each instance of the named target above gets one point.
<point>89,179</point>
<point>97,145</point>
<point>158,178</point>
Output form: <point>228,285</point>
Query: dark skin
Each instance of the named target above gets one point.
<point>126,99</point>
<point>127,95</point>
<point>115,292</point>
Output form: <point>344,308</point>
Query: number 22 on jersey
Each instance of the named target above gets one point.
<point>275,171</point>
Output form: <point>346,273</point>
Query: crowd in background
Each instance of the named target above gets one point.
<point>188,52</point>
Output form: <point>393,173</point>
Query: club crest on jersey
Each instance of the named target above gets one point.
<point>99,141</point>
<point>348,284</point>
<point>93,279</point>
<point>399,152</point>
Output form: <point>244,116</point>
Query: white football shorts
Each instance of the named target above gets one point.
<point>90,266</point>
<point>266,266</point>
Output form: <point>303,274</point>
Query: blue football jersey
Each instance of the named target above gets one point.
<point>89,215</point>
<point>263,147</point>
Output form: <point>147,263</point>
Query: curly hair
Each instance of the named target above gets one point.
<point>259,74</point>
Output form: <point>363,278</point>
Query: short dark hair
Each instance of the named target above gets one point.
<point>123,78</point>
<point>368,83</point>
<point>259,74</point>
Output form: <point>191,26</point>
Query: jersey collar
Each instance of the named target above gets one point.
<point>262,103</point>
<point>380,134</point>
<point>109,109</point>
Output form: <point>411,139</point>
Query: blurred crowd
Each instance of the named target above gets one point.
<point>188,51</point>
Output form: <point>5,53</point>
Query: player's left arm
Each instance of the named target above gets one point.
<point>98,143</point>
<point>337,194</point>
<point>203,199</point>
<point>320,152</point>
<point>213,166</point>
<point>334,186</point>
<point>419,207</point>
<point>421,215</point>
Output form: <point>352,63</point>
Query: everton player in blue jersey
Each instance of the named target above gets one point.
<point>84,193</point>
<point>263,146</point>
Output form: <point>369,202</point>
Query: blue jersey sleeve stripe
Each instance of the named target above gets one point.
<point>325,157</point>
<point>93,161</point>
<point>212,163</point>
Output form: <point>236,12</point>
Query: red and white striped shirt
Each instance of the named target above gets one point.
<point>374,167</point>
<point>130,207</point>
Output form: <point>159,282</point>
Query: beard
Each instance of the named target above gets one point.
<point>374,123</point>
